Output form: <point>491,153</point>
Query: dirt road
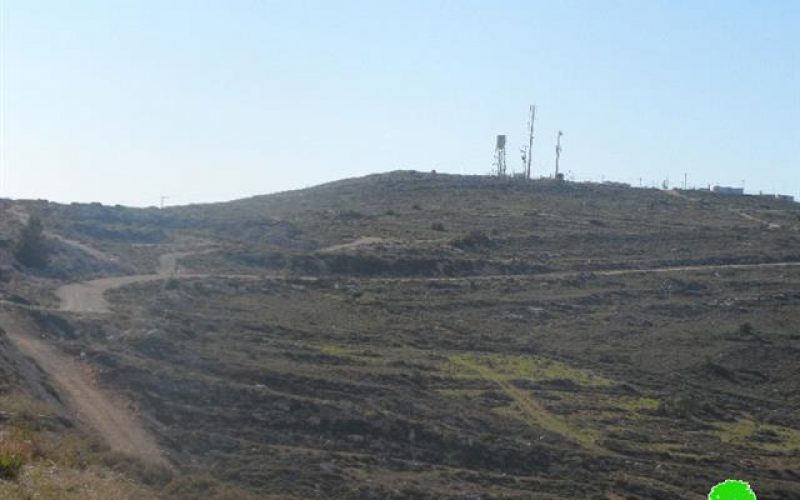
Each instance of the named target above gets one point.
<point>609,272</point>
<point>766,223</point>
<point>121,428</point>
<point>359,242</point>
<point>97,254</point>
<point>92,406</point>
<point>89,296</point>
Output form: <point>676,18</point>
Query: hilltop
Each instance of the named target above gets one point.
<point>411,335</point>
<point>408,223</point>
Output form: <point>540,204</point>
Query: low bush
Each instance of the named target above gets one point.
<point>15,452</point>
<point>472,240</point>
<point>31,248</point>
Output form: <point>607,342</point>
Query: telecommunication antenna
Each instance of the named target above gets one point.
<point>558,150</point>
<point>528,155</point>
<point>500,155</point>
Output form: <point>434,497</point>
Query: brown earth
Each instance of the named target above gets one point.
<point>98,409</point>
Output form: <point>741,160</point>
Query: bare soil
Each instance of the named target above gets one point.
<point>106,414</point>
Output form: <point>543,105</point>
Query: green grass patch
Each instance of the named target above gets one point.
<point>529,410</point>
<point>334,350</point>
<point>536,368</point>
<point>768,437</point>
<point>510,410</point>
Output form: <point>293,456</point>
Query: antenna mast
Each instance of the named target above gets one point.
<point>558,150</point>
<point>529,157</point>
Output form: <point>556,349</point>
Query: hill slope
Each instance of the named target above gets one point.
<point>408,335</point>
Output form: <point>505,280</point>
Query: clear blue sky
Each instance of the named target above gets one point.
<point>126,101</point>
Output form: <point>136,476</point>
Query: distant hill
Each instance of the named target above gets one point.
<point>476,224</point>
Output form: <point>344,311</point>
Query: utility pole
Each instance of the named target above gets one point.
<point>529,158</point>
<point>558,150</point>
<point>163,198</point>
<point>685,180</point>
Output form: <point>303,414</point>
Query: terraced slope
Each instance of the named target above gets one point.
<point>414,335</point>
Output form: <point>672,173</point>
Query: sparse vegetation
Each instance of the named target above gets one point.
<point>15,451</point>
<point>38,459</point>
<point>531,368</point>
<point>383,358</point>
<point>32,249</point>
<point>472,241</point>
<point>746,432</point>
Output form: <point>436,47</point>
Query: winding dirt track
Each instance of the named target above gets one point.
<point>119,427</point>
<point>609,272</point>
<point>110,417</point>
<point>96,408</point>
<point>89,296</point>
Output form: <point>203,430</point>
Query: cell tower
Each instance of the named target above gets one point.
<point>558,151</point>
<point>529,152</point>
<point>500,155</point>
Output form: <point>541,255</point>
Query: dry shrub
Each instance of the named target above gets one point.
<point>71,449</point>
<point>204,486</point>
<point>49,482</point>
<point>15,451</point>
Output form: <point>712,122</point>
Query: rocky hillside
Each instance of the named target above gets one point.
<point>416,335</point>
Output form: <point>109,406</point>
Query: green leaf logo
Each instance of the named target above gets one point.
<point>732,489</point>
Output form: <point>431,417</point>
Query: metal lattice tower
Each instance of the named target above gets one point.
<point>500,156</point>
